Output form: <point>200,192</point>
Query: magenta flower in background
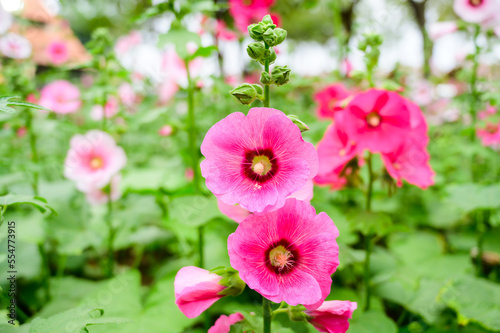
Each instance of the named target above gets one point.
<point>246,12</point>
<point>97,196</point>
<point>15,46</point>
<point>58,52</point>
<point>110,109</point>
<point>377,120</point>
<point>257,160</point>
<point>61,97</point>
<point>196,290</point>
<point>330,99</point>
<point>332,316</point>
<point>441,29</point>
<point>476,11</point>
<point>6,20</point>
<point>418,125</point>
<point>223,324</point>
<point>489,111</point>
<point>93,159</point>
<point>490,135</point>
<point>222,32</point>
<point>287,255</point>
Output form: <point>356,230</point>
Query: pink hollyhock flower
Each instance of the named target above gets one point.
<point>93,159</point>
<point>61,97</point>
<point>222,32</point>
<point>223,324</point>
<point>15,46</point>
<point>58,52</point>
<point>238,213</point>
<point>418,124</point>
<point>110,109</point>
<point>257,160</point>
<point>97,196</point>
<point>165,130</point>
<point>422,92</point>
<point>332,316</point>
<point>335,150</point>
<point>490,135</point>
<point>377,120</point>
<point>21,131</point>
<point>440,29</point>
<point>409,162</point>
<point>6,20</point>
<point>287,255</point>
<point>246,12</point>
<point>475,11</point>
<point>125,43</point>
<point>330,100</point>
<point>489,111</point>
<point>127,94</point>
<point>196,290</point>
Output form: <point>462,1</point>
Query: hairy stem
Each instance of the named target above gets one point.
<point>266,308</point>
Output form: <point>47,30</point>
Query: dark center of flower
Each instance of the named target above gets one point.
<point>96,163</point>
<point>373,119</point>
<point>259,165</point>
<point>476,3</point>
<point>491,128</point>
<point>281,257</point>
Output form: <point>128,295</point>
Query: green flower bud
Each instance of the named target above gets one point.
<point>256,31</point>
<point>231,280</point>
<point>265,78</point>
<point>258,89</point>
<point>271,57</point>
<point>300,124</point>
<point>267,20</point>
<point>257,51</point>
<point>280,75</point>
<point>244,93</point>
<point>296,313</point>
<point>269,37</point>
<point>280,35</point>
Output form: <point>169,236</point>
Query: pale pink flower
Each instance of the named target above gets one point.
<point>93,159</point>
<point>288,255</point>
<point>496,30</point>
<point>97,196</point>
<point>58,52</point>
<point>490,135</point>
<point>165,130</point>
<point>257,160</point>
<point>61,97</point>
<point>346,67</point>
<point>110,109</point>
<point>377,120</point>
<point>189,174</point>
<point>332,316</point>
<point>196,290</point>
<point>21,131</point>
<point>440,29</point>
<point>15,46</point>
<point>330,99</point>
<point>223,324</point>
<point>6,20</point>
<point>489,111</point>
<point>476,11</point>
<point>127,94</point>
<point>422,92</point>
<point>222,32</point>
<point>125,43</point>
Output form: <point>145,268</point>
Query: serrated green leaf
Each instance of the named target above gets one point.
<point>16,199</point>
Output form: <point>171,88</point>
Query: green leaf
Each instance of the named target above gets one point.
<point>74,320</point>
<point>369,223</point>
<point>16,199</point>
<point>473,299</point>
<point>193,210</point>
<point>179,38</point>
<point>469,197</point>
<point>203,52</point>
<point>7,101</point>
<point>372,321</point>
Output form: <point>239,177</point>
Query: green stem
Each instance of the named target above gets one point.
<point>266,308</point>
<point>201,258</point>
<point>277,311</point>
<point>482,225</point>
<point>45,268</point>
<point>473,81</point>
<point>34,152</point>
<point>111,237</point>
<point>192,130</point>
<point>266,87</point>
<point>368,238</point>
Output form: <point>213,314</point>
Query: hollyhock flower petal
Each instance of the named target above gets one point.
<point>440,29</point>
<point>109,110</point>
<point>6,20</point>
<point>126,43</point>
<point>15,46</point>
<point>61,97</point>
<point>490,135</point>
<point>98,197</point>
<point>411,163</point>
<point>332,316</point>
<point>127,94</point>
<point>418,124</point>
<point>58,52</point>
<point>223,324</point>
<point>489,111</point>
<point>330,100</point>
<point>475,11</point>
<point>377,120</point>
<point>245,12</point>
<point>196,290</point>
<point>93,159</point>
<point>256,160</point>
<point>287,255</point>
<point>222,32</point>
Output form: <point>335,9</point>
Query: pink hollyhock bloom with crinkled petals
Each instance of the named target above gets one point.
<point>410,162</point>
<point>332,316</point>
<point>93,159</point>
<point>110,109</point>
<point>288,255</point>
<point>223,324</point>
<point>58,52</point>
<point>6,20</point>
<point>196,290</point>
<point>418,124</point>
<point>441,29</point>
<point>330,99</point>
<point>257,160</point>
<point>377,120</point>
<point>98,197</point>
<point>335,150</point>
<point>61,97</point>
<point>476,11</point>
<point>246,12</point>
<point>15,46</point>
<point>490,135</point>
